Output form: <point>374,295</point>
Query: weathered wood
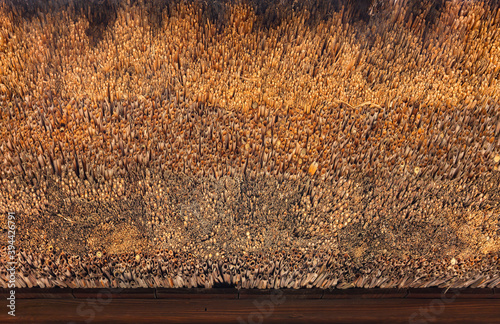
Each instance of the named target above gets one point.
<point>246,311</point>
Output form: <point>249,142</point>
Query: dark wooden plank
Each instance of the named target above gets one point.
<point>114,293</point>
<point>256,311</point>
<point>431,293</point>
<point>364,293</point>
<point>231,293</point>
<point>288,293</point>
<point>471,293</point>
<point>40,293</point>
<point>196,293</point>
<point>426,293</point>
